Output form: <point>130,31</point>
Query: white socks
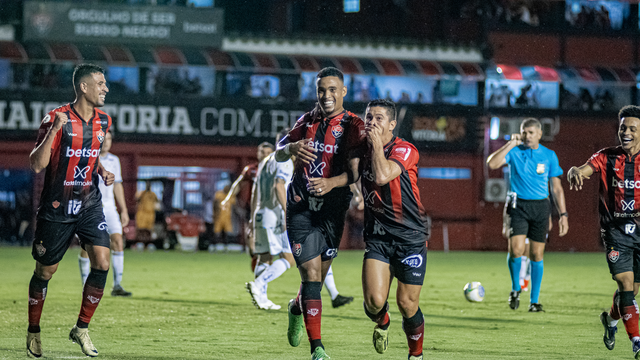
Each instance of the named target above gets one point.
<point>331,284</point>
<point>259,269</point>
<point>273,272</point>
<point>117,263</point>
<point>85,268</point>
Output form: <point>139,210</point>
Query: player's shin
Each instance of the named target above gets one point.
<point>91,296</point>
<point>310,295</point>
<point>514,264</point>
<point>614,313</point>
<point>414,329</point>
<point>37,294</point>
<point>629,311</point>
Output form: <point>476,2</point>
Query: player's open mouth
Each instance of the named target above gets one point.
<point>626,141</point>
<point>328,103</point>
<point>102,97</point>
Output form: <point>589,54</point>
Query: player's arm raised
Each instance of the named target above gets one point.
<point>384,170</point>
<point>235,187</point>
<point>41,154</point>
<point>576,176</point>
<point>497,159</point>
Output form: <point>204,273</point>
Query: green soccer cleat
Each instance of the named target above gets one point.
<point>294,332</point>
<point>380,339</point>
<point>81,337</point>
<point>34,346</point>
<point>319,354</point>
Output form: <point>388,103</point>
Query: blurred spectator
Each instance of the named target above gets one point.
<point>146,213</point>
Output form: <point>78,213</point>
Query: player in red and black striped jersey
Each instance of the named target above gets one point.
<point>68,149</point>
<point>395,228</point>
<point>619,175</point>
<point>326,143</point>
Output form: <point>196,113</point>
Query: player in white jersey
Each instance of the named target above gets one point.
<point>110,196</point>
<point>269,236</point>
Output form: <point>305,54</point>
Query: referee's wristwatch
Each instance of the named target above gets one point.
<point>565,214</point>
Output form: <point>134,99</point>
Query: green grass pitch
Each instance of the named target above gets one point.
<point>194,306</point>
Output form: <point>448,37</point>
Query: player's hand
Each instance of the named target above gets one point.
<point>124,217</point>
<point>319,186</point>
<point>303,151</point>
<point>516,139</point>
<point>59,121</point>
<point>374,133</point>
<point>108,177</point>
<point>563,224</point>
<point>575,178</point>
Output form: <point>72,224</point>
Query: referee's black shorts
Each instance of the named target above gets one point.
<point>530,218</point>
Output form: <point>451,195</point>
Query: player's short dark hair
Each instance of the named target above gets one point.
<point>384,103</point>
<point>529,122</point>
<point>330,71</point>
<point>629,111</point>
<point>284,132</point>
<point>83,70</point>
<point>267,145</point>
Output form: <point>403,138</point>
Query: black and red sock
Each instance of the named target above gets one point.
<point>311,300</point>
<point>414,329</point>
<point>37,294</point>
<point>629,311</point>
<point>381,318</point>
<point>91,296</point>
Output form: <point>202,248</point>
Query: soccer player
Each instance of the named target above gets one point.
<point>325,143</point>
<point>619,214</point>
<point>268,207</point>
<point>67,148</point>
<point>111,195</point>
<point>395,231</point>
<point>531,166</point>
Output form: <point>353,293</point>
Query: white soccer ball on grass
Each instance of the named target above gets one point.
<point>474,291</point>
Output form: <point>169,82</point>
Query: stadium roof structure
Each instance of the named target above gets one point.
<point>119,55</point>
<point>565,74</point>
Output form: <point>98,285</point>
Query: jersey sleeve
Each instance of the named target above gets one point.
<point>295,134</point>
<point>284,170</point>
<point>405,155</point>
<point>357,142</point>
<point>598,161</point>
<point>554,166</point>
<point>45,125</point>
<point>507,158</point>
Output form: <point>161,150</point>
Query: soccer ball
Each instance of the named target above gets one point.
<point>474,291</point>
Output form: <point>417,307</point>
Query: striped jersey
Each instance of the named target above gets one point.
<point>619,184</point>
<point>395,208</point>
<point>335,140</point>
<point>71,178</point>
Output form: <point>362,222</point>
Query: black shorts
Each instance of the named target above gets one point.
<point>622,246</point>
<point>408,261</point>
<point>315,228</point>
<point>530,218</point>
<point>52,239</point>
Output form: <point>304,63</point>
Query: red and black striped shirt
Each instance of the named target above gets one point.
<point>336,140</point>
<point>71,178</point>
<point>395,208</point>
<point>619,184</point>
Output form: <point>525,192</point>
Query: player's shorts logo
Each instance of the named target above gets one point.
<point>630,229</point>
<point>613,256</point>
<point>40,249</point>
<point>297,249</point>
<point>100,136</point>
<point>74,207</point>
<point>337,131</point>
<point>331,253</point>
<point>102,226</point>
<point>415,261</point>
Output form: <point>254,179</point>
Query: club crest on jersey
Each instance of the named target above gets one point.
<point>337,131</point>
<point>613,256</point>
<point>540,169</point>
<point>297,249</point>
<point>100,136</point>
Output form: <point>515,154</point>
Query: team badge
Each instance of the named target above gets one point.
<point>55,204</point>
<point>337,131</point>
<point>40,249</point>
<point>540,169</point>
<point>415,261</point>
<point>100,136</point>
<point>297,249</point>
<point>613,256</point>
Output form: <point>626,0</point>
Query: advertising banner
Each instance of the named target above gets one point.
<point>121,24</point>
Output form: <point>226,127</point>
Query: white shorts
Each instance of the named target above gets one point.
<point>114,226</point>
<point>270,236</point>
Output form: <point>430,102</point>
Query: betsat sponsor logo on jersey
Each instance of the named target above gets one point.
<point>321,147</point>
<point>626,184</point>
<point>82,153</point>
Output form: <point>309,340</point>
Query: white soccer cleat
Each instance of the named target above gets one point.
<point>270,305</point>
<point>81,337</point>
<point>257,298</point>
